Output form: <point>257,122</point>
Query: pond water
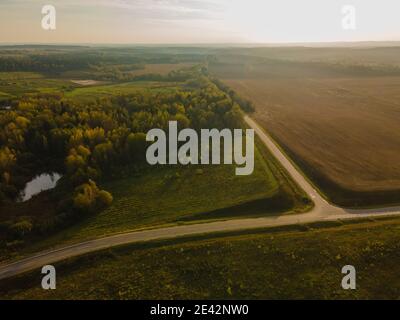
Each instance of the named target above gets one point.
<point>45,181</point>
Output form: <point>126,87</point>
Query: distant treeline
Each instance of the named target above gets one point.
<point>53,61</point>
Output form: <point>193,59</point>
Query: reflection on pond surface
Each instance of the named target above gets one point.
<point>38,184</point>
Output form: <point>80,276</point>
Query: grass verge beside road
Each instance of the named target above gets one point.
<point>298,262</point>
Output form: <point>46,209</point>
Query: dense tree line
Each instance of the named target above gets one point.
<point>59,59</point>
<point>44,63</point>
<point>246,105</point>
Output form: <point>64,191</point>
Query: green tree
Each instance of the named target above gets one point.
<point>105,198</point>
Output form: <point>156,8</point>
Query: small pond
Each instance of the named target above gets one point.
<point>45,181</point>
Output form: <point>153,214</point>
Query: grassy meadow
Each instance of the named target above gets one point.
<point>89,93</point>
<point>15,84</point>
<point>285,263</point>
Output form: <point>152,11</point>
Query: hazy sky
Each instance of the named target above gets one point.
<point>198,21</point>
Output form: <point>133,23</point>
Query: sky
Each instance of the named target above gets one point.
<point>198,21</point>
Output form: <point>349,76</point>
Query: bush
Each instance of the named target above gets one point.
<point>83,202</point>
<point>105,198</point>
<point>21,228</point>
<point>88,197</point>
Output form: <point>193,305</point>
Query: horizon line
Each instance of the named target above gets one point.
<point>203,44</point>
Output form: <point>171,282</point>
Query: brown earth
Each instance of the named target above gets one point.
<point>342,130</point>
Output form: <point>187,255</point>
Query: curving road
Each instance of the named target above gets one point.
<point>322,211</point>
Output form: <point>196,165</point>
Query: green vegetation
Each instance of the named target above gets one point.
<point>303,262</point>
<point>93,133</point>
<point>92,141</point>
<point>16,84</point>
<point>169,195</point>
<point>93,93</point>
<point>84,112</point>
<point>111,63</point>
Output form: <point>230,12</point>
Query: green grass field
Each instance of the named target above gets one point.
<point>15,84</point>
<point>276,264</point>
<point>89,93</point>
<point>166,195</point>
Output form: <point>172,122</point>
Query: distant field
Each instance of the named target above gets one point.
<point>74,83</point>
<point>341,129</point>
<point>281,264</point>
<point>153,68</point>
<point>362,59</point>
<point>15,84</point>
<point>87,82</point>
<point>162,69</point>
<point>10,76</point>
<point>88,93</point>
<point>10,89</point>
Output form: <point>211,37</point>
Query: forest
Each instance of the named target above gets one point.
<point>89,142</point>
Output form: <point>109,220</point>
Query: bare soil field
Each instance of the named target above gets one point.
<point>342,130</point>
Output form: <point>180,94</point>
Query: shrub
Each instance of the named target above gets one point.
<point>21,228</point>
<point>105,198</point>
<point>88,197</point>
